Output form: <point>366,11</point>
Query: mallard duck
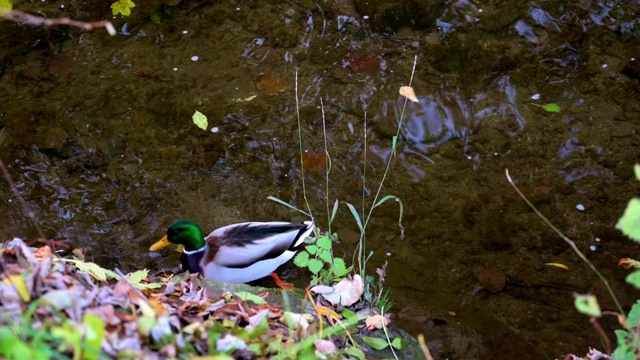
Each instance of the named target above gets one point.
<point>236,253</point>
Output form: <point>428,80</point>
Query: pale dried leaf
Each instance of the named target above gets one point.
<point>295,320</point>
<point>325,346</point>
<point>376,322</point>
<point>322,289</point>
<point>347,292</point>
<point>230,342</point>
<point>407,91</point>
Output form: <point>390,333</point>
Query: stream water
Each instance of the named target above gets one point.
<point>98,136</point>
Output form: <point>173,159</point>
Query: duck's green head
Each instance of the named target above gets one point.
<point>182,232</point>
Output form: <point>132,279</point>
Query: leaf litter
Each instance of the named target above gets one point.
<point>55,307</point>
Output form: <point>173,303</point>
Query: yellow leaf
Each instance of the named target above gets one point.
<point>18,282</point>
<point>558,265</point>
<point>6,5</point>
<point>325,311</point>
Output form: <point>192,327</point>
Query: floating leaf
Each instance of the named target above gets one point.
<point>200,120</point>
<point>491,278</point>
<point>247,296</point>
<point>587,304</point>
<point>122,7</point>
<point>363,62</point>
<point>375,343</point>
<point>409,93</point>
<point>6,5</point>
<point>397,343</point>
<point>554,108</point>
<point>636,171</point>
<point>629,223</point>
<point>272,84</point>
<point>558,265</point>
<point>314,162</point>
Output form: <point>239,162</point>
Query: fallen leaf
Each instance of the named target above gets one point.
<point>628,263</point>
<point>247,296</point>
<point>491,278</point>
<point>42,253</point>
<point>272,84</point>
<point>325,311</point>
<point>17,281</point>
<point>295,320</point>
<point>376,322</point>
<point>346,293</point>
<point>409,93</point>
<point>326,347</point>
<point>230,342</point>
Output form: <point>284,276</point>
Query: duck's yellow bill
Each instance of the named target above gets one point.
<point>160,244</point>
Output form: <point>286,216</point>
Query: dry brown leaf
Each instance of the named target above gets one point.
<point>314,162</point>
<point>272,84</point>
<point>363,62</point>
<point>409,93</point>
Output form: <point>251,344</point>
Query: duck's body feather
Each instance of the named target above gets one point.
<point>247,251</point>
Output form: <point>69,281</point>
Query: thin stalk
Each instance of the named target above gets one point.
<point>304,187</point>
<point>361,244</point>
<point>568,241</point>
<point>328,166</point>
<point>400,122</point>
<point>386,334</point>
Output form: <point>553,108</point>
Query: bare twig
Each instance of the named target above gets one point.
<point>25,206</point>
<point>568,241</point>
<point>424,348</point>
<point>24,18</point>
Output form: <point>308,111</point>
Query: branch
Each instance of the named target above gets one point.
<point>24,18</point>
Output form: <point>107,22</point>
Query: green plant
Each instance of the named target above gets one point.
<point>23,339</point>
<point>318,258</point>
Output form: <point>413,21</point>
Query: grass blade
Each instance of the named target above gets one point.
<point>356,216</point>
<point>282,202</point>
